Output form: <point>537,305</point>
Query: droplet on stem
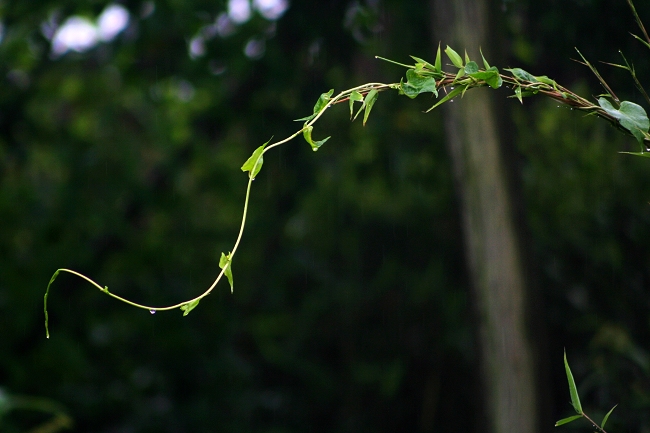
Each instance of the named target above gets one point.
<point>152,311</point>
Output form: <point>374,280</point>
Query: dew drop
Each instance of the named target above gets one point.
<point>152,311</point>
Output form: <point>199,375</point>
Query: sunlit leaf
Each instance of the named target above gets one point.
<point>567,420</point>
<point>438,63</point>
<point>630,115</point>
<point>315,145</point>
<point>187,307</point>
<point>491,77</point>
<point>225,261</point>
<point>370,100</point>
<point>323,100</point>
<point>485,63</point>
<point>454,57</point>
<point>354,97</point>
<point>602,424</point>
<point>575,399</point>
<point>253,164</point>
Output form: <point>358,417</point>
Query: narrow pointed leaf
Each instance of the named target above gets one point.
<point>454,57</point>
<point>485,63</point>
<point>354,97</point>
<point>602,424</point>
<point>644,154</point>
<point>47,292</point>
<point>575,399</point>
<point>186,308</point>
<point>438,63</point>
<point>448,96</point>
<point>225,261</point>
<point>370,100</point>
<point>567,420</point>
<point>424,63</point>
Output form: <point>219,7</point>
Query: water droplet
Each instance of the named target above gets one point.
<point>152,311</point>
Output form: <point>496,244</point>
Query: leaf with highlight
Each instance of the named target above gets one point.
<point>567,420</point>
<point>454,57</point>
<point>253,164</point>
<point>354,97</point>
<point>630,115</point>
<point>186,308</point>
<point>225,261</point>
<point>315,145</point>
<point>575,399</point>
<point>602,424</point>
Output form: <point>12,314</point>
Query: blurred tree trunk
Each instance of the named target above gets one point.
<point>493,254</point>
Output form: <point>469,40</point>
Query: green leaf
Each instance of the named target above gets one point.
<point>575,399</point>
<point>491,77</point>
<point>518,94</point>
<point>47,292</point>
<point>253,164</point>
<point>225,261</point>
<point>471,68</point>
<point>189,306</point>
<point>485,63</point>
<point>631,117</point>
<point>323,99</point>
<point>467,60</point>
<point>449,96</point>
<point>417,84</point>
<point>370,100</point>
<point>602,424</point>
<point>354,97</point>
<point>544,79</point>
<point>522,75</point>
<point>644,154</point>
<point>314,144</point>
<point>567,420</point>
<point>423,63</point>
<point>438,63</point>
<point>454,57</point>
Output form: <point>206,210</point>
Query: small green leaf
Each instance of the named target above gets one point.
<point>370,100</point>
<point>189,306</point>
<point>490,76</point>
<point>518,94</point>
<point>105,289</point>
<point>449,96</point>
<point>644,154</point>
<point>471,68</point>
<point>47,292</point>
<point>544,79</point>
<point>315,145</point>
<point>630,115</point>
<point>253,164</point>
<point>438,63</point>
<point>323,99</point>
<point>575,399</point>
<point>424,63</point>
<point>522,75</point>
<point>467,60</point>
<point>567,420</point>
<point>354,97</point>
<point>454,57</point>
<point>225,261</point>
<point>485,63</point>
<point>602,424</point>
<point>417,84</point>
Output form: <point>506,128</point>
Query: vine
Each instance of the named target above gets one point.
<point>425,77</point>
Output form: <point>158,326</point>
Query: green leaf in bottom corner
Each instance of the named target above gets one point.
<point>189,306</point>
<point>575,399</point>
<point>631,117</point>
<point>567,420</point>
<point>225,261</point>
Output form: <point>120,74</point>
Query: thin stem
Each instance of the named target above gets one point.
<point>596,426</point>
